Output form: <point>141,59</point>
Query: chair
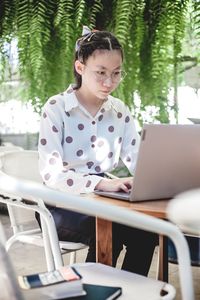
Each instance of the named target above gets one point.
<point>10,148</point>
<point>184,211</point>
<point>24,165</point>
<point>194,247</point>
<point>7,147</point>
<point>133,286</point>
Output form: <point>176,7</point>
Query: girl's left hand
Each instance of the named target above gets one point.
<point>115,185</point>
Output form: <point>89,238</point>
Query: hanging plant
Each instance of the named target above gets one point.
<point>151,33</point>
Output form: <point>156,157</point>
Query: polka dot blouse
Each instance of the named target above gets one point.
<point>75,146</point>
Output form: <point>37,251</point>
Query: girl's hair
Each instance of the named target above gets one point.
<point>88,43</point>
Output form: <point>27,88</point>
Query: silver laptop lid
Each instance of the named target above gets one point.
<point>195,120</point>
<point>168,161</point>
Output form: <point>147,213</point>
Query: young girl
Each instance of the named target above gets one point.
<point>84,131</point>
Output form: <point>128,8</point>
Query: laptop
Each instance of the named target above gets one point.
<point>168,163</point>
<point>194,120</point>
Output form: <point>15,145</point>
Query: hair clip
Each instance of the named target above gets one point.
<point>87,34</point>
<point>86,30</point>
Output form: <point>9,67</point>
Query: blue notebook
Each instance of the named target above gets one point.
<point>98,292</point>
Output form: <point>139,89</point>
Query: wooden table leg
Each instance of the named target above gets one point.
<point>163,258</point>
<point>104,241</point>
<point>104,247</point>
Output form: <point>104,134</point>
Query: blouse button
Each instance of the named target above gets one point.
<point>93,122</point>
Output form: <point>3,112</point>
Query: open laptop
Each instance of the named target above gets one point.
<point>195,120</point>
<point>168,163</point>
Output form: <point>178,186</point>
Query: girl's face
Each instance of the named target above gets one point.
<point>101,73</point>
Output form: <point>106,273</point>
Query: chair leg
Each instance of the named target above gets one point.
<point>47,248</point>
<point>158,263</point>
<point>52,235</point>
<point>72,259</point>
<point>162,268</point>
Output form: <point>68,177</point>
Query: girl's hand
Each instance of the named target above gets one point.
<point>115,185</point>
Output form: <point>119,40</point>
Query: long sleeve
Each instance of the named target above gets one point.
<point>53,168</point>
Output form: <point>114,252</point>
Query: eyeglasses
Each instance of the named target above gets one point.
<point>116,76</point>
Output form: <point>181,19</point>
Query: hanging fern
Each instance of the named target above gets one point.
<point>96,8</point>
<point>122,19</point>
<point>7,32</point>
<point>65,25</point>
<point>7,19</point>
<point>151,33</point>
<point>1,18</point>
<point>80,10</point>
<point>196,13</point>
<point>135,33</point>
<point>23,25</point>
<point>39,36</point>
<point>160,51</point>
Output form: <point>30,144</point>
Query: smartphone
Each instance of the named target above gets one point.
<point>64,274</point>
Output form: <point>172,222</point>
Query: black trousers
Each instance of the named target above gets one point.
<point>77,227</point>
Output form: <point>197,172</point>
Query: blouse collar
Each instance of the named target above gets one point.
<point>71,100</point>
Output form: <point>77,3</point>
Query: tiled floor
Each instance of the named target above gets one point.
<point>29,259</point>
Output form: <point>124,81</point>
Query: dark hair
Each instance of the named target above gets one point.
<point>88,43</point>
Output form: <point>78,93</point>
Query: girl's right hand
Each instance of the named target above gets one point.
<point>115,185</point>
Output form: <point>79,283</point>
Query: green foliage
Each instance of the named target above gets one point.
<point>165,24</point>
<point>7,18</point>
<point>196,14</point>
<point>131,38</point>
<point>80,8</point>
<point>93,11</point>
<point>151,33</point>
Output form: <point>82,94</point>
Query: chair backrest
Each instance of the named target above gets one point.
<point>6,149</point>
<point>184,210</point>
<point>10,148</point>
<point>21,165</point>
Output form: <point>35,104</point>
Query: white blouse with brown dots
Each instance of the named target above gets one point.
<point>74,146</point>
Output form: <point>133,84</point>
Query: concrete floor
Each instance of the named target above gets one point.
<point>29,259</point>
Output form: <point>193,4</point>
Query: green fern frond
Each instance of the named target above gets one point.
<point>8,18</point>
<point>122,19</point>
<point>179,12</point>
<point>7,32</point>
<point>97,7</point>
<point>41,12</point>
<point>64,19</point>
<point>1,17</point>
<point>39,35</point>
<point>23,24</point>
<point>135,36</point>
<point>196,14</point>
<point>80,10</point>
<point>64,7</point>
<point>164,45</point>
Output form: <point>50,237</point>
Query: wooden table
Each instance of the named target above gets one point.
<point>104,230</point>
